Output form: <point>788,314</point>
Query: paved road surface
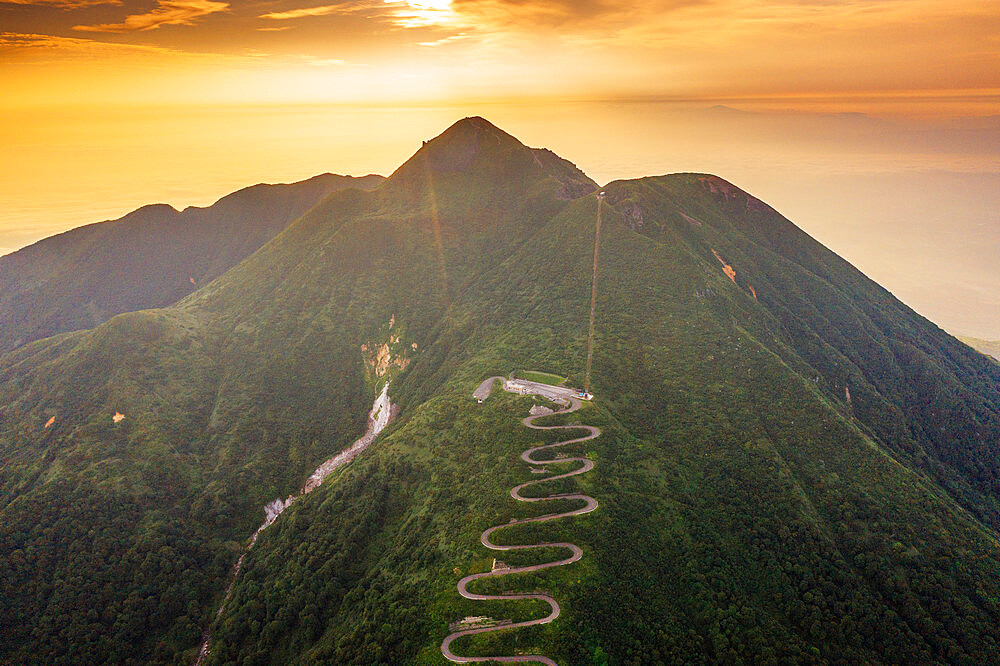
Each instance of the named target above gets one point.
<point>561,394</point>
<point>485,389</point>
<point>575,553</point>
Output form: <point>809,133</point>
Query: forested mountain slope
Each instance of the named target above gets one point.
<point>231,398</point>
<point>749,510</point>
<point>913,387</point>
<point>150,258</point>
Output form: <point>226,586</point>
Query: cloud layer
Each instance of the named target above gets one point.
<point>168,12</point>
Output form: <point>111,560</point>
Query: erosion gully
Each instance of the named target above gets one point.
<point>381,414</point>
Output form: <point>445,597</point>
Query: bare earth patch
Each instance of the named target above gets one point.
<point>727,269</point>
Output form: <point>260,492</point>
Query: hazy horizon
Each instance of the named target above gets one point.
<point>872,124</point>
<point>913,202</point>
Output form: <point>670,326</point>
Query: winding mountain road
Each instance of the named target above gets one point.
<point>576,553</point>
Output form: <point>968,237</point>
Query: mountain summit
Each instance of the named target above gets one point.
<point>474,153</point>
<point>793,466</point>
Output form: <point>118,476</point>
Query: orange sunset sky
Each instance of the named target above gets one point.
<point>872,124</point>
<point>210,51</point>
<point>201,51</point>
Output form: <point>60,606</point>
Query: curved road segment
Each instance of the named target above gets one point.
<point>575,553</point>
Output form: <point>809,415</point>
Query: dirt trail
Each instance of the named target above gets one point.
<point>575,552</point>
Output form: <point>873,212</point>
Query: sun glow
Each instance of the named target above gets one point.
<point>418,13</point>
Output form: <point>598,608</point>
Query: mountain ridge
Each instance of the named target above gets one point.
<point>148,258</point>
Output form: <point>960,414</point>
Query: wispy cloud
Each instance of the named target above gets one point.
<point>168,12</point>
<point>322,10</point>
<point>71,47</point>
<point>446,40</point>
<point>403,13</point>
<point>324,62</point>
<point>420,13</point>
<point>62,4</point>
<point>38,49</point>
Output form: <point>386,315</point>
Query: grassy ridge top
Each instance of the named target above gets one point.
<point>540,377</point>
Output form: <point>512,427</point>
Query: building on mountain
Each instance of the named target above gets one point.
<point>515,387</point>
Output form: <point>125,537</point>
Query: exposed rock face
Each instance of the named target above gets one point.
<point>727,269</point>
<point>380,358</point>
<point>635,219</point>
<point>691,220</point>
<point>539,410</point>
<point>392,353</point>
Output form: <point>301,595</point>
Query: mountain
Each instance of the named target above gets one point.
<point>150,258</point>
<point>988,347</point>
<point>793,465</point>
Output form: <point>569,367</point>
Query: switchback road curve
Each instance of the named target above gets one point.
<point>575,553</point>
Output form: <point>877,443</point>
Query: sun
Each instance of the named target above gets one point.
<point>416,13</point>
<point>439,5</point>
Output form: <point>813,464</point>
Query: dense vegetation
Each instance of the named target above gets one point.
<point>749,511</point>
<point>150,258</point>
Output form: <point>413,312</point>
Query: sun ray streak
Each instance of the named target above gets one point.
<point>436,229</point>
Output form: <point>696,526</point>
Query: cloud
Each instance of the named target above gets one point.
<point>446,40</point>
<point>71,47</point>
<point>544,14</point>
<point>169,12</point>
<point>62,4</point>
<point>326,62</point>
<point>420,13</point>
<point>302,13</point>
<point>38,49</point>
<point>402,13</point>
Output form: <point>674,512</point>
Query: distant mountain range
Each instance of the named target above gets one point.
<point>794,467</point>
<point>988,347</point>
<point>150,258</point>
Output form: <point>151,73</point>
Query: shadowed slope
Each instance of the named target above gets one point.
<point>924,394</point>
<point>150,258</point>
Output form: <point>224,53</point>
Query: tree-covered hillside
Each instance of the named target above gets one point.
<point>794,467</point>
